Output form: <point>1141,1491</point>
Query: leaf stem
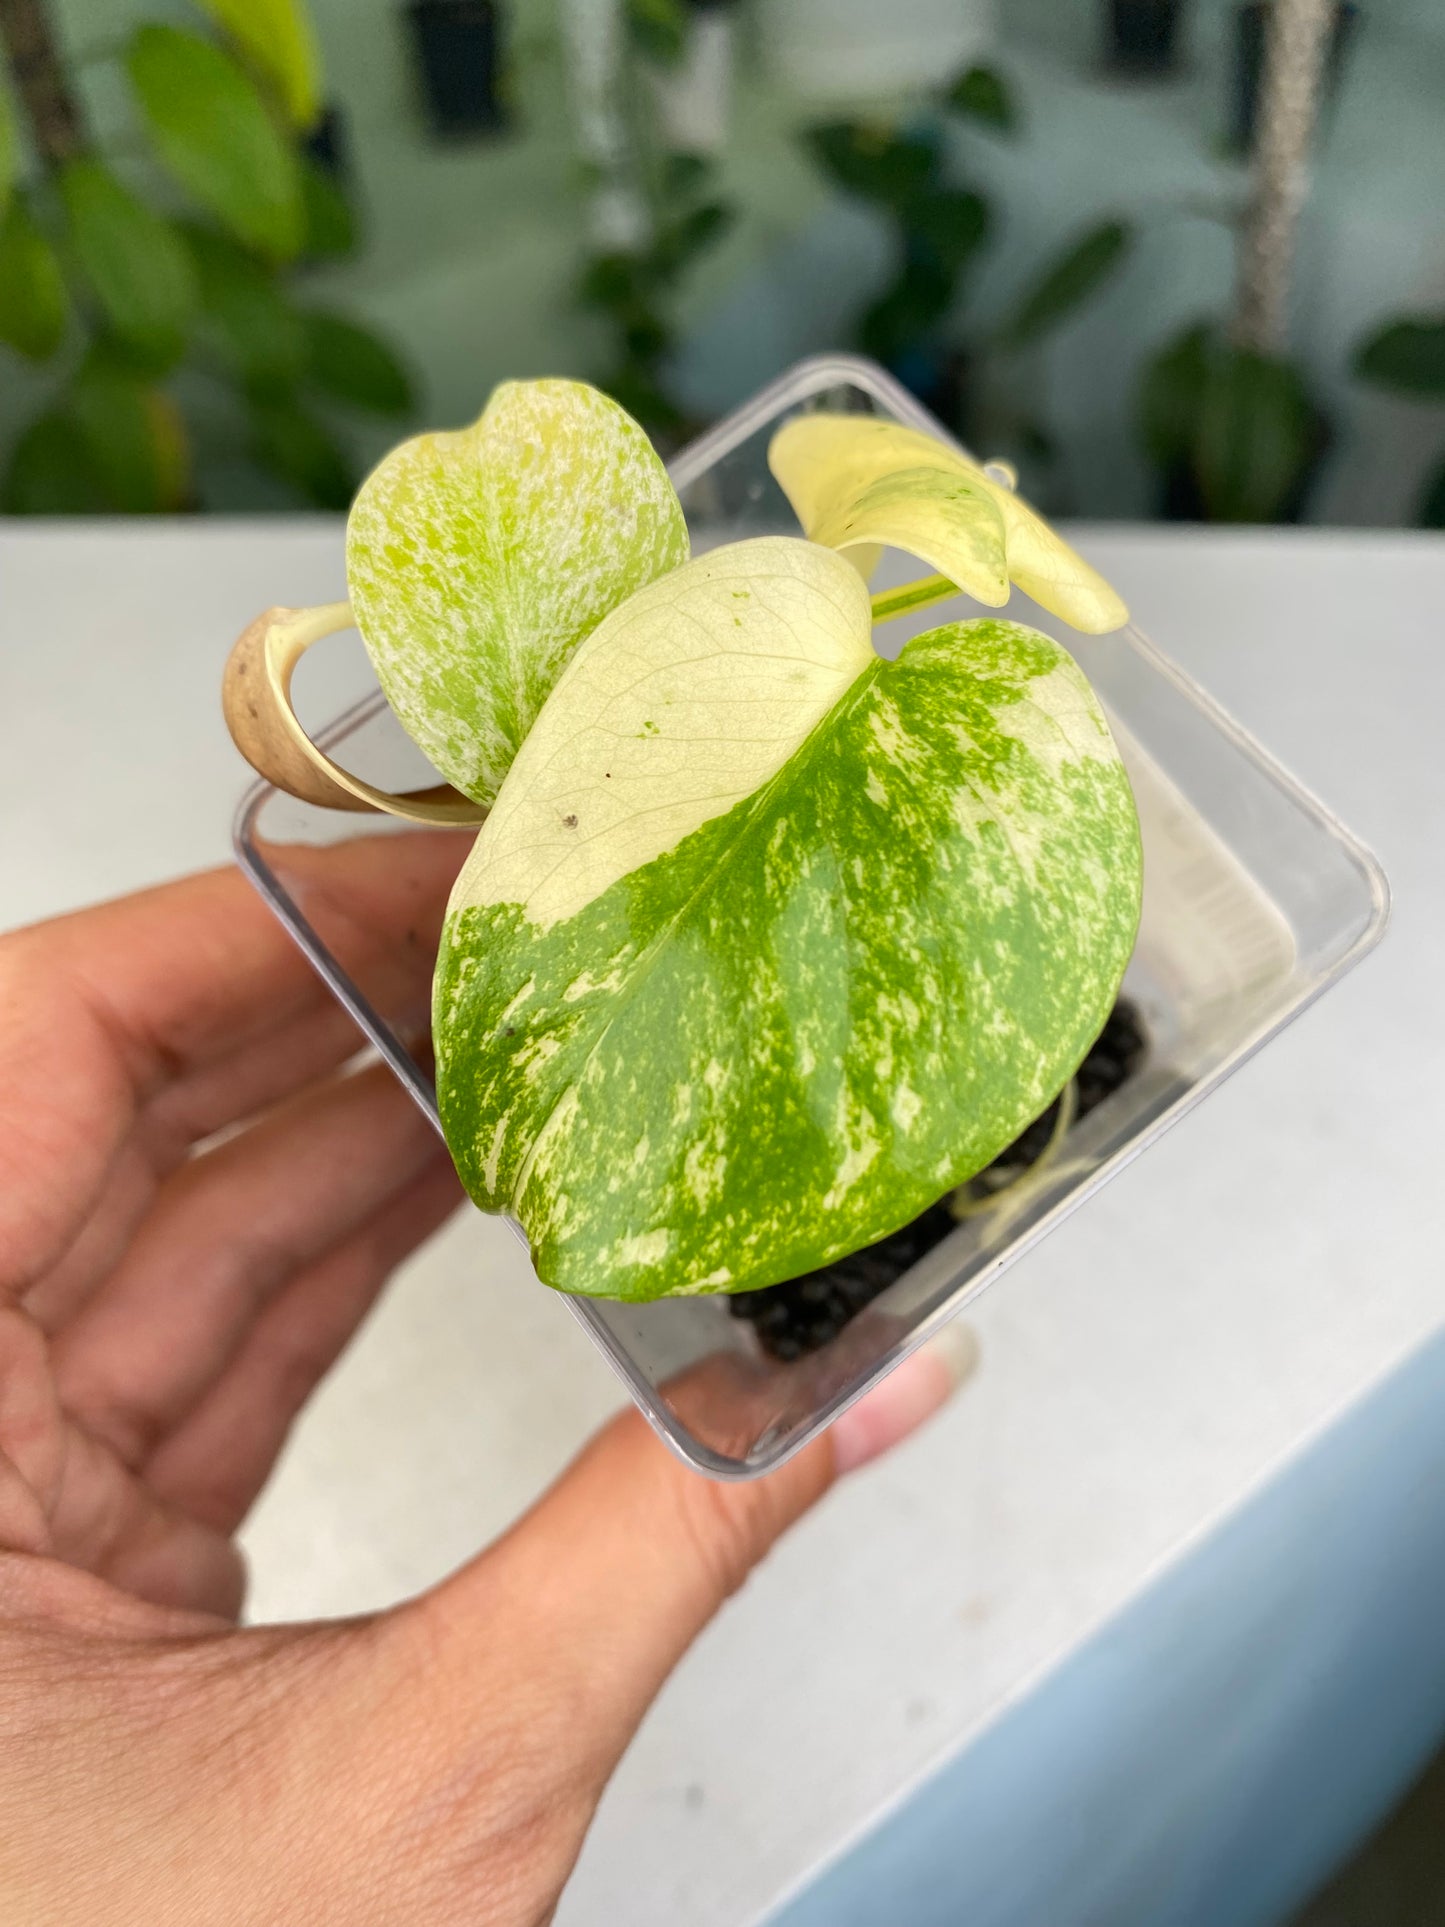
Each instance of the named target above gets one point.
<point>889,603</point>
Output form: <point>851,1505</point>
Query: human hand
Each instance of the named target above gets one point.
<point>164,1313</point>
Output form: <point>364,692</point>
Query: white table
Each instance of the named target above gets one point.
<point>1162,1358</point>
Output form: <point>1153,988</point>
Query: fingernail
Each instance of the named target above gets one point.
<point>908,1396</point>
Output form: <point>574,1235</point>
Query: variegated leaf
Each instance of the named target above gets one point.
<point>768,942</point>
<point>856,481</point>
<point>478,560</point>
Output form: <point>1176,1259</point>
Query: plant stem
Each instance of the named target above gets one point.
<point>40,80</point>
<point>1296,32</point>
<point>889,603</point>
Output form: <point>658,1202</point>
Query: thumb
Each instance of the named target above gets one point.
<point>614,1572</point>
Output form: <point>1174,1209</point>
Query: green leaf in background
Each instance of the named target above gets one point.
<point>1171,394</point>
<point>906,311</point>
<point>134,436</point>
<point>612,282</point>
<point>136,263</point>
<point>352,365</point>
<point>658,28</point>
<point>276,36</point>
<point>701,228</point>
<point>1257,435</point>
<point>33,302</point>
<point>874,161</point>
<point>951,222</point>
<point>213,131</point>
<point>633,387</point>
<point>685,174</point>
<point>328,220</point>
<point>478,560</point>
<point>768,943</point>
<point>9,148</point>
<point>1067,283</point>
<point>252,324</point>
<point>52,472</point>
<point>1407,357</point>
<point>300,451</point>
<point>983,94</point>
<point>1432,501</point>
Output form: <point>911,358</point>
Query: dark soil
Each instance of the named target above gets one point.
<point>806,1313</point>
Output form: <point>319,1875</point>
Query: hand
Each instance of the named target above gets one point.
<point>199,1201</point>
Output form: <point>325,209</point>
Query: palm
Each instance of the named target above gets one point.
<point>167,1303</point>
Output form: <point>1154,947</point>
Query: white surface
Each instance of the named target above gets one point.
<point>1165,1350</point>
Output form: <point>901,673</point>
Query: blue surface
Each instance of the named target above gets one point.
<point>1215,1750</point>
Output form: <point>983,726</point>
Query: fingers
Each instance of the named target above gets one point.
<point>193,1001</point>
<point>111,1524</point>
<point>187,973</point>
<point>598,1592</point>
<point>215,1463</point>
<point>227,1233</point>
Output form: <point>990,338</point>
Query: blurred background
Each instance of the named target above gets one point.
<point>245,244</point>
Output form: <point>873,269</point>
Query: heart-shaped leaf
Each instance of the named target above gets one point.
<point>135,262</point>
<point>479,560</point>
<point>33,301</point>
<point>767,942</point>
<point>213,131</point>
<point>857,481</point>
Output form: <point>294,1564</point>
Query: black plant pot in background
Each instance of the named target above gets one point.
<point>329,144</point>
<point>1144,36</point>
<point>458,45</point>
<point>1249,26</point>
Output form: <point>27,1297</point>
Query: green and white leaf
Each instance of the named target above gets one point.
<point>856,481</point>
<point>768,942</point>
<point>478,560</point>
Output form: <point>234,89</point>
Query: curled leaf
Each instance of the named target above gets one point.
<point>857,479</point>
<point>478,560</point>
<point>767,942</point>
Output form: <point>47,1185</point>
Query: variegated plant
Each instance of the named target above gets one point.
<point>767,942</point>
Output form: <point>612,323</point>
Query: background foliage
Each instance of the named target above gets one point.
<point>191,253</point>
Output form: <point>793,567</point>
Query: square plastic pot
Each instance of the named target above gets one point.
<point>1256,899</point>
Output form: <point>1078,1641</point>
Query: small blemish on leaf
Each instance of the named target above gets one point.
<point>569,822</point>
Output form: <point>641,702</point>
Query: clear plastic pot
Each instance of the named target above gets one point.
<point>1256,899</point>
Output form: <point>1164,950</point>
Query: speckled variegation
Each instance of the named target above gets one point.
<point>858,481</point>
<point>478,560</point>
<point>861,952</point>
